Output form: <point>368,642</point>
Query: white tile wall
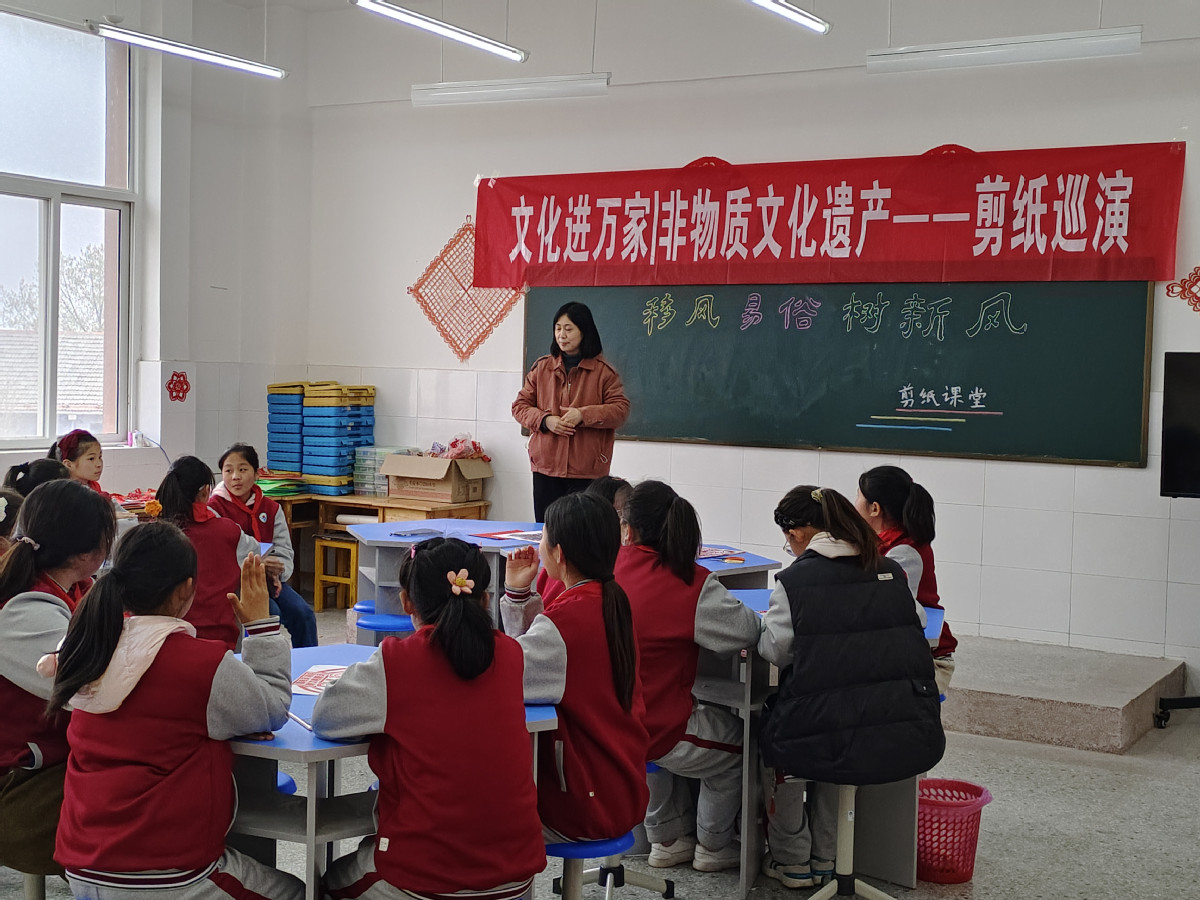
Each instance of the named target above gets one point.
<point>778,471</point>
<point>705,464</point>
<point>1028,485</point>
<point>720,511</point>
<point>1183,614</point>
<point>1126,608</point>
<point>505,444</point>
<point>395,391</point>
<point>1122,546</point>
<point>1121,492</point>
<point>959,586</point>
<point>641,460</point>
<point>1026,538</point>
<point>1025,598</point>
<point>959,533</point>
<point>1005,633</point>
<point>840,471</point>
<point>1117,645</point>
<point>495,392</point>
<point>948,480</point>
<point>758,523</point>
<point>445,394</point>
<point>1183,557</point>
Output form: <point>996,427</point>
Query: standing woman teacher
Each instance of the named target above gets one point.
<point>572,403</point>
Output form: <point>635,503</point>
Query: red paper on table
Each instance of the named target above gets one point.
<point>1064,214</point>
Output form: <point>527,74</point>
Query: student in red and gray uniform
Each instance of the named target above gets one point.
<point>63,535</point>
<point>457,807</point>
<point>900,511</point>
<point>149,793</point>
<point>679,607</point>
<point>221,546</point>
<point>581,655</point>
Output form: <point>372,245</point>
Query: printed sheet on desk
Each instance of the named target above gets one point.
<point>315,679</point>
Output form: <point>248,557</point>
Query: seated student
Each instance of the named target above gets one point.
<point>219,544</point>
<point>679,607</point>
<point>611,488</point>
<point>24,477</point>
<point>239,499</point>
<point>10,508</point>
<point>457,805</point>
<point>900,511</point>
<point>65,534</point>
<point>149,794</point>
<point>581,655</point>
<point>80,452</point>
<point>857,701</point>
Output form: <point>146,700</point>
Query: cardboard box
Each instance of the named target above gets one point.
<point>433,478</point>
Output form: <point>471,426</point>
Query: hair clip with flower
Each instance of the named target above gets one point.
<point>459,582</point>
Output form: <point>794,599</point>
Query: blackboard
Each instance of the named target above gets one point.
<point>1055,371</point>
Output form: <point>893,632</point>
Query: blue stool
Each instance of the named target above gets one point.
<point>365,607</point>
<point>612,874</point>
<point>376,626</point>
<point>285,783</point>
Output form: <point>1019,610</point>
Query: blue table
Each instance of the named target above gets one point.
<point>322,815</point>
<point>759,600</point>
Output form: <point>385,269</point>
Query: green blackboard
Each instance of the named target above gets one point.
<point>1054,371</point>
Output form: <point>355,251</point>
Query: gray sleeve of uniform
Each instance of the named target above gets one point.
<point>247,544</point>
<point>31,625</point>
<point>724,624</point>
<point>355,704</point>
<point>282,544</point>
<point>545,654</point>
<point>910,561</point>
<point>518,615</point>
<point>775,644</point>
<point>252,694</point>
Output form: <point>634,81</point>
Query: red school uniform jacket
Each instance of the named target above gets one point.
<point>592,768</point>
<point>457,804</point>
<point>217,575</point>
<point>29,739</point>
<point>146,787</point>
<point>927,592</point>
<point>256,518</point>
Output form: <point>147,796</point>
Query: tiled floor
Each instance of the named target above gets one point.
<point>1064,823</point>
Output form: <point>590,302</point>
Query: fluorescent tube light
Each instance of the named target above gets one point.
<point>795,13</point>
<point>1001,51</point>
<point>547,88</point>
<point>444,29</point>
<point>176,48</point>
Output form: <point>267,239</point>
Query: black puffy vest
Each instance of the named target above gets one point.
<point>859,704</point>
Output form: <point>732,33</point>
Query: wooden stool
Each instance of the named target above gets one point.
<point>344,577</point>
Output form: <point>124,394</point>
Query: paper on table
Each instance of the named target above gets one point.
<point>415,531</point>
<point>715,552</point>
<point>264,547</point>
<point>316,678</point>
<point>530,537</point>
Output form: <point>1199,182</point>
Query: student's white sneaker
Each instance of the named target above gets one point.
<point>663,856</point>
<point>790,876</point>
<point>728,857</point>
<point>822,870</point>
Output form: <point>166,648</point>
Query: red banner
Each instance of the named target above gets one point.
<point>1070,214</point>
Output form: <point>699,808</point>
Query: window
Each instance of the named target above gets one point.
<point>65,226</point>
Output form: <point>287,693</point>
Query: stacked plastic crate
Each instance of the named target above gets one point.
<point>285,419</point>
<point>338,419</point>
<point>367,461</point>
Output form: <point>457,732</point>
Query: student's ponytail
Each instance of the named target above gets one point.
<point>667,524</point>
<point>179,488</point>
<point>462,626</point>
<point>150,562</point>
<point>24,477</point>
<point>588,532</point>
<point>904,503</point>
<point>809,506</point>
<point>58,520</point>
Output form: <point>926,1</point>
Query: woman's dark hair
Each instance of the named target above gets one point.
<point>582,317</point>
<point>587,530</point>
<point>58,520</point>
<point>24,477</point>
<point>608,487</point>
<point>462,626</point>
<point>667,524</point>
<point>903,501</point>
<point>245,451</point>
<point>179,488</point>
<point>826,509</point>
<point>151,560</point>
<point>12,508</point>
<point>71,445</point>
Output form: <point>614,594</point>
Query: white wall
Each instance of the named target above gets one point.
<point>1085,556</point>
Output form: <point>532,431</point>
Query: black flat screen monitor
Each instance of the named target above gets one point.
<point>1181,426</point>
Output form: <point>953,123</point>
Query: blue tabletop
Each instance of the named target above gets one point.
<point>749,561</point>
<point>759,600</point>
<point>404,533</point>
<point>294,742</point>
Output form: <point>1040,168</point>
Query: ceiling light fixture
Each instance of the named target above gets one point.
<point>795,14</point>
<point>443,29</point>
<point>1002,51</point>
<point>551,87</point>
<point>177,48</point>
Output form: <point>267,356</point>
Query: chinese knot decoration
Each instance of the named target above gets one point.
<point>178,386</point>
<point>1188,288</point>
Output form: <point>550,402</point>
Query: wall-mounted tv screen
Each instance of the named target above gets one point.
<point>1181,426</point>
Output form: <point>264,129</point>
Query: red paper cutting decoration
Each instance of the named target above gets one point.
<point>178,386</point>
<point>1188,288</point>
<point>464,315</point>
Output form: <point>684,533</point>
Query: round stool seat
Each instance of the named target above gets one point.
<point>385,622</point>
<point>285,783</point>
<point>591,849</point>
<point>365,607</point>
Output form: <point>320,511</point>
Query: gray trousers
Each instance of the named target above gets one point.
<point>236,875</point>
<point>711,751</point>
<point>798,831</point>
